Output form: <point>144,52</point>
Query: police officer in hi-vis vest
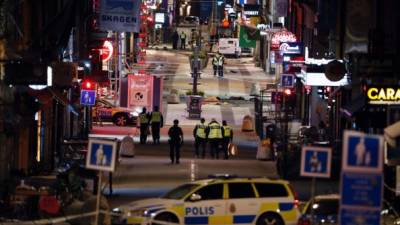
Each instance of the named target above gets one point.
<point>144,125</point>
<point>227,137</point>
<point>214,131</point>
<point>200,138</point>
<point>156,121</point>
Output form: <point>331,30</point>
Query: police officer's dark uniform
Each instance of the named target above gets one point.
<point>175,141</point>
<point>214,131</point>
<point>144,125</point>
<point>200,138</point>
<point>227,137</point>
<point>156,121</point>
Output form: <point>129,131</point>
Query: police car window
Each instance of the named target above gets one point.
<point>271,190</point>
<point>211,192</point>
<point>180,192</point>
<point>241,190</point>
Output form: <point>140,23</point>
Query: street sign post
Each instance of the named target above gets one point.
<point>101,156</point>
<point>287,80</point>
<point>361,179</point>
<point>362,152</point>
<point>315,162</point>
<point>88,97</point>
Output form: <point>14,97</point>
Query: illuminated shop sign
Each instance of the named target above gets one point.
<point>291,48</point>
<point>383,95</point>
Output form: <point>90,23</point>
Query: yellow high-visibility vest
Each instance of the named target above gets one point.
<point>215,131</point>
<point>155,117</point>
<point>143,118</point>
<point>227,131</point>
<point>201,131</point>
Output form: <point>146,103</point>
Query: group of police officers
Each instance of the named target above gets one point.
<point>154,120</point>
<point>218,136</point>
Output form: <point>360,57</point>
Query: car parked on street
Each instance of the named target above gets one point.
<point>219,200</point>
<point>324,208</point>
<point>105,111</point>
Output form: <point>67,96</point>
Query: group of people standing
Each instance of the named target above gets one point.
<point>176,37</point>
<point>154,120</point>
<point>218,136</point>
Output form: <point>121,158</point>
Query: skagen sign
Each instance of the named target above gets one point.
<point>383,95</point>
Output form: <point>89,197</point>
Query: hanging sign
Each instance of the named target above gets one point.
<point>117,15</point>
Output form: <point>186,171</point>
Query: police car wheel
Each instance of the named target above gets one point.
<point>269,219</point>
<point>120,120</point>
<point>165,217</point>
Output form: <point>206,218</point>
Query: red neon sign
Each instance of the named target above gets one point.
<point>107,51</point>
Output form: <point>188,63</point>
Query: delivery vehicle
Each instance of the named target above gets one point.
<point>104,111</point>
<point>229,46</point>
<point>219,200</point>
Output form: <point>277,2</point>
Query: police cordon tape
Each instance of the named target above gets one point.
<point>55,220</point>
<point>62,219</point>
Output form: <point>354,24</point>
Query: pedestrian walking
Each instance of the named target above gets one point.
<point>183,40</point>
<point>156,121</point>
<point>175,39</point>
<point>214,131</point>
<point>227,138</point>
<point>144,125</point>
<point>200,138</point>
<point>175,142</point>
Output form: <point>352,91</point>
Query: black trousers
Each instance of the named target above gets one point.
<point>221,71</point>
<point>183,43</point>
<point>225,143</point>
<point>155,132</point>
<point>214,143</point>
<point>215,68</point>
<point>143,133</point>
<point>200,142</point>
<point>174,151</point>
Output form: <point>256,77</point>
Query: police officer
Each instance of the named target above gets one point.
<point>220,65</point>
<point>175,142</point>
<point>227,138</point>
<point>215,63</point>
<point>183,40</point>
<point>200,138</point>
<point>156,121</point>
<point>214,131</point>
<point>144,125</point>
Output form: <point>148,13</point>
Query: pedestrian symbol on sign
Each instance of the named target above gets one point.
<point>363,156</point>
<point>315,163</point>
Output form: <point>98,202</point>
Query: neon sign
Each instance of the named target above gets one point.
<point>107,51</point>
<point>383,95</point>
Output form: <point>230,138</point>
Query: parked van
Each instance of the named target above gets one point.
<point>229,46</point>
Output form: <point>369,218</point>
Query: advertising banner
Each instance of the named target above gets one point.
<point>245,38</point>
<point>120,15</point>
<point>140,89</point>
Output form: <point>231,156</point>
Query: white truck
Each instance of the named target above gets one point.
<point>229,46</point>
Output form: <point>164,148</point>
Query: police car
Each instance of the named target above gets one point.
<point>258,201</point>
<point>104,111</point>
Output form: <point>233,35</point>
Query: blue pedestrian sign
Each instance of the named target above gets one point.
<point>101,155</point>
<point>315,162</point>
<point>361,189</point>
<point>359,217</point>
<point>88,97</point>
<point>362,152</point>
<point>287,80</point>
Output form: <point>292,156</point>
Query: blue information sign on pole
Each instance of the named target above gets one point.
<point>101,155</point>
<point>362,179</point>
<point>361,189</point>
<point>88,97</point>
<point>287,80</point>
<point>362,152</point>
<point>315,162</point>
<point>359,217</point>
